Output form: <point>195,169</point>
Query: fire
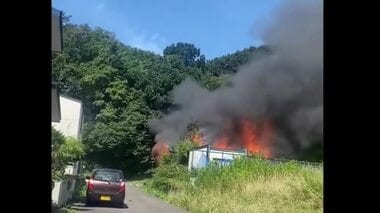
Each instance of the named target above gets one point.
<point>160,150</point>
<point>198,139</point>
<point>225,142</point>
<point>255,137</point>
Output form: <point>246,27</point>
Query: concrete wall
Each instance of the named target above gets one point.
<point>60,193</point>
<point>63,190</point>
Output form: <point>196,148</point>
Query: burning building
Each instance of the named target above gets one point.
<point>240,134</point>
<point>273,105</point>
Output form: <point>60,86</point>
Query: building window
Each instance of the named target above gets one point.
<point>222,162</point>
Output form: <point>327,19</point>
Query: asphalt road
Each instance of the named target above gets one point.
<point>136,201</point>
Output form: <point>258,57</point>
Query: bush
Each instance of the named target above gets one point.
<point>170,177</point>
<point>71,150</point>
<point>80,189</point>
<point>172,174</point>
<point>64,151</point>
<point>181,151</point>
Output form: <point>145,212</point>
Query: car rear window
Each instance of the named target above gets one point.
<point>112,176</point>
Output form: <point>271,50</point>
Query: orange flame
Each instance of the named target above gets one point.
<point>255,137</point>
<point>224,142</point>
<point>198,139</point>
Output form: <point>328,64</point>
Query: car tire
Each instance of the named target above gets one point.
<point>120,205</point>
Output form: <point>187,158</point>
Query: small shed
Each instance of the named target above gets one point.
<point>203,155</point>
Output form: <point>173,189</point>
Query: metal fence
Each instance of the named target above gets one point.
<point>304,163</point>
<point>222,161</point>
<point>225,157</point>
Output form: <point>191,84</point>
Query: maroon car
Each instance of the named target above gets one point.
<point>105,185</point>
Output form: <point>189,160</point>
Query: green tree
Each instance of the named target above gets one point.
<point>188,53</point>
<point>230,63</point>
<point>71,150</point>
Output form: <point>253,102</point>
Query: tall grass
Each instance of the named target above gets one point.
<point>247,185</point>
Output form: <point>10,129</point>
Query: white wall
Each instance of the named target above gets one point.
<point>70,125</point>
<point>71,117</point>
<point>198,157</point>
<point>60,193</point>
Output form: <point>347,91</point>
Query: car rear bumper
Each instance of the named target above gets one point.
<point>95,197</point>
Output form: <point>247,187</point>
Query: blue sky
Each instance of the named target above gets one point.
<point>217,27</point>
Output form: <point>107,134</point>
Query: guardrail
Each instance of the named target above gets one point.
<point>305,163</point>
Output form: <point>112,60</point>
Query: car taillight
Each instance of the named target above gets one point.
<point>122,187</point>
<point>90,185</point>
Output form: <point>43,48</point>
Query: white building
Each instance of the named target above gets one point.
<point>70,125</point>
<point>203,155</point>
<point>71,121</point>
